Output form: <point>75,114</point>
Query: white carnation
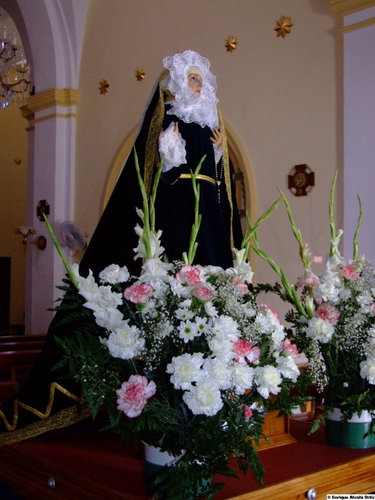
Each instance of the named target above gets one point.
<point>204,399</point>
<point>226,328</point>
<point>185,370</point>
<point>268,379</point>
<point>218,371</point>
<point>125,342</point>
<point>368,370</point>
<point>320,330</point>
<point>288,367</point>
<point>114,274</point>
<point>243,376</point>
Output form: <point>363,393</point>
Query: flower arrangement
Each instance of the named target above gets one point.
<point>181,357</point>
<point>333,320</point>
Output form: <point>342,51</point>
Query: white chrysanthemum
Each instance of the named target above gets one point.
<point>218,371</point>
<point>187,330</point>
<point>368,370</point>
<point>125,342</point>
<point>184,313</point>
<point>320,330</point>
<point>185,370</point>
<point>243,377</point>
<point>204,399</point>
<point>268,379</point>
<point>288,367</point>
<point>226,328</point>
<point>114,274</point>
<point>203,324</point>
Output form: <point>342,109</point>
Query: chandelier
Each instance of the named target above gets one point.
<point>14,70</point>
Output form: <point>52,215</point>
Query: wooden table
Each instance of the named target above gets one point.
<point>82,464</point>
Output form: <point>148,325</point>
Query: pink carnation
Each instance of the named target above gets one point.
<point>248,412</point>
<point>244,349</point>
<point>189,274</point>
<point>289,349</point>
<point>133,395</point>
<point>203,292</point>
<point>138,293</point>
<point>242,286</point>
<point>271,311</point>
<point>350,273</point>
<point>328,313</point>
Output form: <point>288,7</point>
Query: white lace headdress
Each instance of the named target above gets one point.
<point>187,105</point>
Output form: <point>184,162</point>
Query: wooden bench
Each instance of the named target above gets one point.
<point>23,338</point>
<point>15,367</point>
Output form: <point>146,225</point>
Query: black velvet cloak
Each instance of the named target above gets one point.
<point>48,400</point>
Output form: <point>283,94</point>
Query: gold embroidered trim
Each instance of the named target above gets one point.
<point>18,404</point>
<point>151,153</point>
<point>63,418</point>
<point>225,160</point>
<point>199,176</point>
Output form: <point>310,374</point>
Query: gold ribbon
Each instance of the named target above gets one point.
<point>199,176</point>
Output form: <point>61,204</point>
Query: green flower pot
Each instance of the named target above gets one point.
<point>351,434</point>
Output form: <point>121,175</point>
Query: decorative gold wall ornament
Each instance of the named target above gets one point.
<point>140,74</point>
<point>301,180</point>
<point>231,43</point>
<point>17,160</point>
<point>283,26</point>
<point>103,86</point>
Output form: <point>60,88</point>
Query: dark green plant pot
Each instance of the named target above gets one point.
<point>351,434</point>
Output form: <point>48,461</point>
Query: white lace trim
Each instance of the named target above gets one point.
<point>187,105</point>
<point>171,148</point>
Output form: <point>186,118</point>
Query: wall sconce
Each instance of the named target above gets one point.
<point>40,242</point>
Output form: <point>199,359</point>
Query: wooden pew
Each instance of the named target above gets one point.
<point>15,367</point>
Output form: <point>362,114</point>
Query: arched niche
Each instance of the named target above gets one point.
<point>242,172</point>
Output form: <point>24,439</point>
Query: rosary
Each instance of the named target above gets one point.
<point>219,178</point>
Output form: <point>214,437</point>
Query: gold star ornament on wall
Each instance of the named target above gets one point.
<point>231,43</point>
<point>17,160</point>
<point>140,74</point>
<point>103,86</point>
<point>283,26</point>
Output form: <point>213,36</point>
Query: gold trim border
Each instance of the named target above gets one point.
<point>49,99</point>
<point>18,404</point>
<point>357,26</point>
<point>346,7</point>
<point>59,420</point>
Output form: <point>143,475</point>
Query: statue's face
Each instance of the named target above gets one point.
<point>195,82</point>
